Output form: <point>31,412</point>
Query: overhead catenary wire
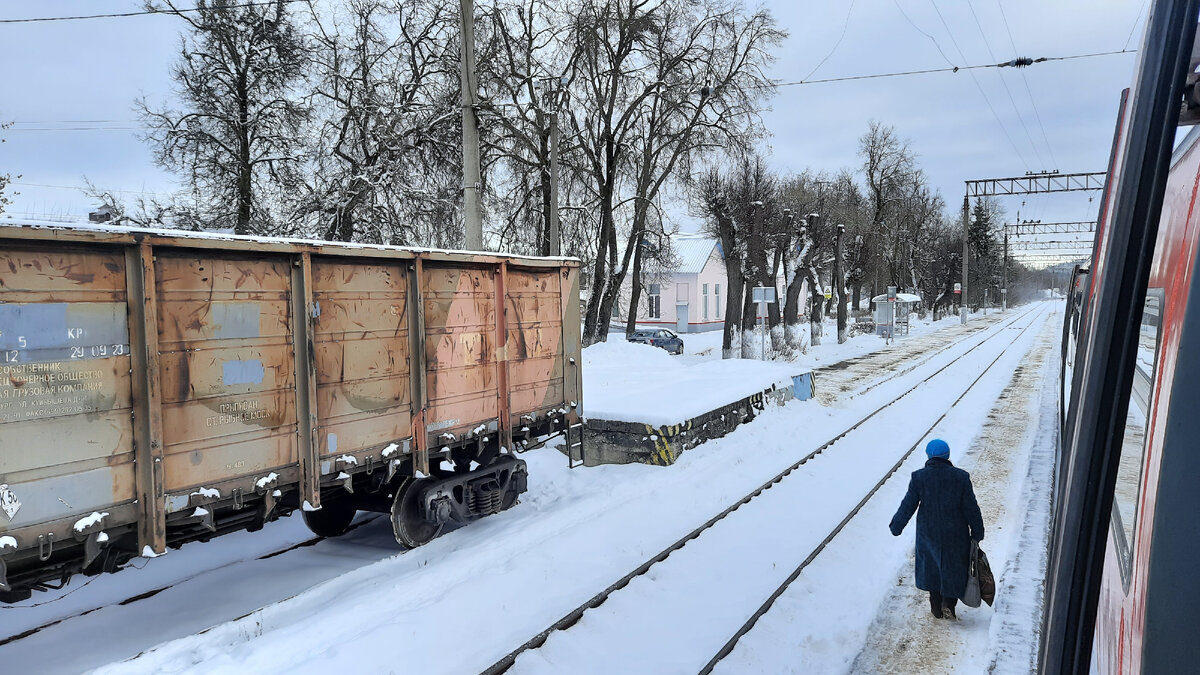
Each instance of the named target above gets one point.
<point>845,26</point>
<point>978,86</point>
<point>1136,19</point>
<point>922,32</point>
<point>1015,63</point>
<point>1007,90</point>
<point>86,189</point>
<point>1022,62</point>
<point>1032,100</point>
<point>148,12</point>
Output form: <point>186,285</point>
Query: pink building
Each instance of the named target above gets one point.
<point>692,300</point>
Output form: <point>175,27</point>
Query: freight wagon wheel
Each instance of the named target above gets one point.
<point>332,519</point>
<point>409,526</point>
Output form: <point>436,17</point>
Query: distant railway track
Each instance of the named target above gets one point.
<point>572,617</point>
<point>898,358</point>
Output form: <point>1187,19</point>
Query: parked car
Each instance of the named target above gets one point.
<point>659,337</point>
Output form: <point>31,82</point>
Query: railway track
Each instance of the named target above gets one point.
<point>893,358</point>
<point>574,616</point>
<point>150,593</point>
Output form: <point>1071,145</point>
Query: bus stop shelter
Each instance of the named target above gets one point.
<point>891,316</point>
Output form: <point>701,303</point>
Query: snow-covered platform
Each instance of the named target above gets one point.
<point>641,405</point>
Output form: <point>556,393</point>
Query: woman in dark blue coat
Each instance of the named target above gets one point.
<point>948,520</point>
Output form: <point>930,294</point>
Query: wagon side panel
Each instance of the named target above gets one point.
<point>534,320</point>
<point>227,370</point>
<point>460,346</point>
<point>361,340</point>
<point>65,393</point>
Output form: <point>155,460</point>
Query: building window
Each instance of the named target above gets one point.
<point>616,311</point>
<point>704,300</point>
<point>655,301</point>
<point>717,298</point>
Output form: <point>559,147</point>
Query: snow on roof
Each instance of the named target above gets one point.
<point>901,297</point>
<point>693,252</point>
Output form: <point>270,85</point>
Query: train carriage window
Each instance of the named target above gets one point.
<point>1133,447</point>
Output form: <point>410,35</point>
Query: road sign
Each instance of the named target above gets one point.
<point>891,293</point>
<point>763,294</point>
<point>958,287</point>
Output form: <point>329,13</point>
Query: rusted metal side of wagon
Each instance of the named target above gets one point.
<point>160,387</point>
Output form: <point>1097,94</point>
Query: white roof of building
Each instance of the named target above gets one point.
<point>693,251</point>
<point>901,297</point>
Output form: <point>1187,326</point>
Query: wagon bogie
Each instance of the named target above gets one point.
<point>160,388</point>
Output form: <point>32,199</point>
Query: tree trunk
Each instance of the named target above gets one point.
<point>635,291</point>
<point>816,315</point>
<point>773,309</point>
<point>749,320</point>
<point>791,304</point>
<point>592,319</point>
<point>735,284</point>
<point>839,285</point>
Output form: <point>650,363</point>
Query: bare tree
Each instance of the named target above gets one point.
<point>385,145</point>
<point>527,55</point>
<point>663,81</point>
<point>742,209</point>
<point>235,130</point>
<point>712,193</point>
<point>888,163</point>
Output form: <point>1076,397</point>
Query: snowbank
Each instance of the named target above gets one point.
<point>638,383</point>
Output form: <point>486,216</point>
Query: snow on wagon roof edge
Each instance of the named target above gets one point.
<point>18,224</point>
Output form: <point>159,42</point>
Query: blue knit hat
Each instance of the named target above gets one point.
<point>937,448</point>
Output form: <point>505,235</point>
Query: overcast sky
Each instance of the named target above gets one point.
<point>66,75</point>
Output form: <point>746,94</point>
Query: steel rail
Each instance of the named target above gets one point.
<point>574,615</point>
<point>766,606</point>
<point>154,591</point>
<point>926,358</point>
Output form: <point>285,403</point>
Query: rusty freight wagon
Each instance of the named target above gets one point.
<point>159,387</point>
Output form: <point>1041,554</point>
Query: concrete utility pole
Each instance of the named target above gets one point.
<point>839,277</point>
<point>472,215</point>
<point>1004,290</point>
<point>555,235</point>
<point>966,253</point>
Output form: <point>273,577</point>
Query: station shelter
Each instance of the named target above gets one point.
<point>891,316</point>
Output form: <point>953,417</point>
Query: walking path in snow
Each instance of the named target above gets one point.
<point>1011,468</point>
<point>854,606</point>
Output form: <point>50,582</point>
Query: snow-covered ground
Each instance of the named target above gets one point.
<point>638,383</point>
<point>633,382</point>
<point>471,596</point>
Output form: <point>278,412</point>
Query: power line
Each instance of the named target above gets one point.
<point>845,25</point>
<point>1025,79</point>
<point>74,129</point>
<point>1135,23</point>
<point>922,32</point>
<point>1017,63</point>
<point>951,69</point>
<point>145,12</point>
<point>1011,99</point>
<point>73,121</point>
<point>979,87</point>
<point>85,189</point>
